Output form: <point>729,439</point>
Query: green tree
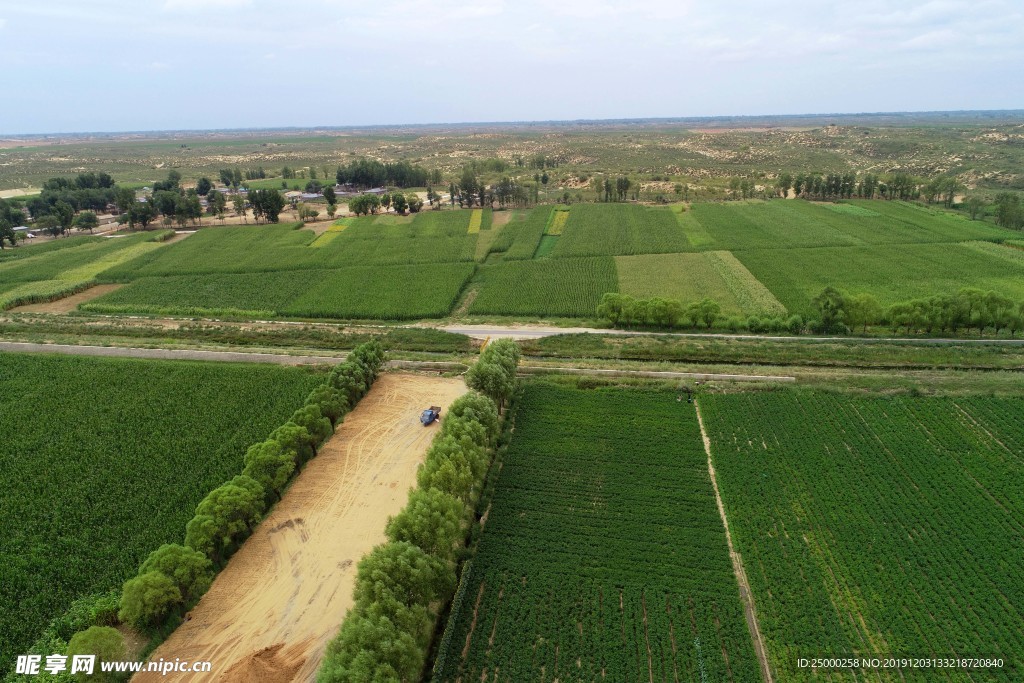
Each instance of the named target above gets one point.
<point>225,516</point>
<point>86,221</point>
<point>217,204</point>
<point>296,439</point>
<point>330,195</point>
<point>203,186</point>
<point>106,643</point>
<point>191,570</point>
<point>238,205</point>
<point>372,648</point>
<point>612,307</point>
<point>862,310</point>
<point>270,465</point>
<point>709,312</point>
<point>313,421</point>
<point>432,520</point>
<point>831,307</point>
<point>478,408</point>
<point>49,225</point>
<point>141,213</point>
<point>414,202</point>
<point>333,404</point>
<point>148,599</point>
<point>491,380</point>
<point>403,573</point>
<point>7,233</point>
<point>65,214</point>
<point>399,202</point>
<point>1009,212</point>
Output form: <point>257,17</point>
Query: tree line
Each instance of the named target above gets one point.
<point>366,204</point>
<point>836,313</point>
<point>403,585</point>
<point>622,310</point>
<point>175,576</point>
<point>366,173</point>
<point>969,309</point>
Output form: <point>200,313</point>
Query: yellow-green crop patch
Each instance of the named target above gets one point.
<point>559,217</point>
<point>475,221</point>
<point>683,277</point>
<point>690,277</point>
<point>750,294</point>
<point>57,273</point>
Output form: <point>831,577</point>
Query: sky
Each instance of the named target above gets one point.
<point>117,65</point>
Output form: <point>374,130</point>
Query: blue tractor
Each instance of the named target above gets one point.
<point>430,415</point>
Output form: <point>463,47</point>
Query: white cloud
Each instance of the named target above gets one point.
<point>203,5</point>
<point>3,22</point>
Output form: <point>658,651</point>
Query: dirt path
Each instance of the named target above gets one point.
<point>737,564</point>
<point>68,303</point>
<point>272,611</point>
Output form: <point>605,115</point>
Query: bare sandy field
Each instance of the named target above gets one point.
<point>269,615</point>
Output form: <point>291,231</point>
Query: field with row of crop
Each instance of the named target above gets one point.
<point>762,258</point>
<point>103,460</point>
<point>603,557</point>
<point>877,526</point>
<point>380,293</point>
<point>62,267</point>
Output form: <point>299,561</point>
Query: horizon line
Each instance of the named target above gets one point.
<point>540,122</point>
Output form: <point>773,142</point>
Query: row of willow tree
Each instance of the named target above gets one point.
<point>837,313</point>
<point>174,576</point>
<point>403,585</point>
<point>968,309</point>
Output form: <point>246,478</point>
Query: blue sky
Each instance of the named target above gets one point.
<point>111,65</point>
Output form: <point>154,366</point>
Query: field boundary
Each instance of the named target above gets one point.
<point>737,562</point>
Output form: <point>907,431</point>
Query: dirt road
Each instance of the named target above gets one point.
<point>68,303</point>
<point>272,611</point>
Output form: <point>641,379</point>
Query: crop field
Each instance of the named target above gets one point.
<point>390,293</point>
<point>695,276</point>
<point>525,235</point>
<point>25,250</point>
<point>433,237</point>
<point>794,224</point>
<point>103,460</point>
<point>877,526</point>
<point>602,558</point>
<point>620,230</point>
<point>53,272</point>
<point>566,287</point>
<point>892,273</point>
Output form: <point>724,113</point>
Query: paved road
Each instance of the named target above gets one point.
<point>540,331</point>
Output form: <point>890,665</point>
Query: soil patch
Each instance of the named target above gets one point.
<point>291,583</point>
<point>68,303</point>
<point>269,665</point>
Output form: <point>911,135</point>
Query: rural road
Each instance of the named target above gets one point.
<point>169,354</point>
<point>284,359</point>
<point>540,331</point>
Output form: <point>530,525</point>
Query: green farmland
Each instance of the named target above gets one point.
<point>765,259</point>
<point>392,293</point>
<point>877,526</point>
<point>602,558</point>
<point>103,460</point>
